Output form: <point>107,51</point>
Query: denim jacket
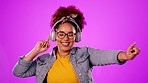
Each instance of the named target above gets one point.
<point>82,59</point>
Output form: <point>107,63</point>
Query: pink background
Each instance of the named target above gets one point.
<point>111,24</point>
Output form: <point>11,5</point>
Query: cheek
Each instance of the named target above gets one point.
<point>72,42</point>
<point>57,39</point>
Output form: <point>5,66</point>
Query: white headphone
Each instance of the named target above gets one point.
<point>68,19</point>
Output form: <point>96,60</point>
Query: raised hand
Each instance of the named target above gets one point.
<point>41,46</point>
<point>130,54</point>
<point>132,51</point>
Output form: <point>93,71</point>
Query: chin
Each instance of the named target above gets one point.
<point>65,48</point>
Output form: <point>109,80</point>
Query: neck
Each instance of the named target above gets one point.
<point>63,53</point>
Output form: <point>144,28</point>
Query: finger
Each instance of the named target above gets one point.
<point>132,46</point>
<point>47,45</point>
<point>41,43</point>
<point>137,51</point>
<point>44,43</point>
<point>48,38</point>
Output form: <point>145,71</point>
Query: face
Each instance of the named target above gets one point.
<point>65,37</point>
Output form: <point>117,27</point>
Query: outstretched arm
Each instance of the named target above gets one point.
<point>130,54</point>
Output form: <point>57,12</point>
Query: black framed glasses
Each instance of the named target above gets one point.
<point>62,34</point>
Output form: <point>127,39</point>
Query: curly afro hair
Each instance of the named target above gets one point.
<point>66,11</point>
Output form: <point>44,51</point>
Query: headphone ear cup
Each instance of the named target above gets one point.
<point>78,37</point>
<point>52,35</point>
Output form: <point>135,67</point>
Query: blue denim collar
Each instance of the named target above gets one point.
<point>72,52</point>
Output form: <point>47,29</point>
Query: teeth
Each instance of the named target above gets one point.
<point>65,43</point>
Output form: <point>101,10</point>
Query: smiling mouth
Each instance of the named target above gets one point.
<point>65,43</point>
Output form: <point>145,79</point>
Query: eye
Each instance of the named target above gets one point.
<point>61,34</point>
<point>70,34</point>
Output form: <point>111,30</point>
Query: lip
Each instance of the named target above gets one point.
<point>65,44</point>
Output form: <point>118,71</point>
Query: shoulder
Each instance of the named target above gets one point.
<point>88,50</point>
<point>82,50</point>
<point>85,48</point>
<point>43,57</point>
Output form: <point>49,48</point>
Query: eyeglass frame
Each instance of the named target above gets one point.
<point>57,32</point>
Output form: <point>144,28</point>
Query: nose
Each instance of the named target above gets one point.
<point>66,37</point>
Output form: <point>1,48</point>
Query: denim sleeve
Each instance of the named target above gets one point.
<point>24,68</point>
<point>103,57</point>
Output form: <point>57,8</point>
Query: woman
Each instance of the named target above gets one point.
<point>68,64</point>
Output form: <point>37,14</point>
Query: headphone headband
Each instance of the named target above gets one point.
<point>69,18</point>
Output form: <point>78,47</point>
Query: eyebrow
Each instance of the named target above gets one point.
<point>65,32</point>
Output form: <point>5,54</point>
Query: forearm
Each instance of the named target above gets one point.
<point>30,56</point>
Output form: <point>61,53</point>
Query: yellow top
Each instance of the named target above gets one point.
<point>62,71</point>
